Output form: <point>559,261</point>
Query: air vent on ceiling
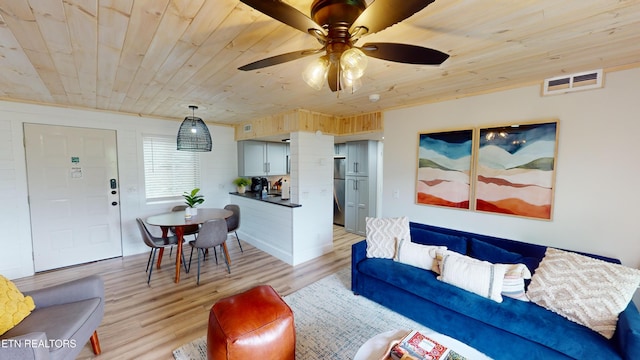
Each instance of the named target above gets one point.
<point>574,82</point>
<point>247,127</point>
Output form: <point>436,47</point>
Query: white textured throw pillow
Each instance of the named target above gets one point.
<point>479,277</point>
<point>418,255</point>
<point>382,234</point>
<point>585,290</point>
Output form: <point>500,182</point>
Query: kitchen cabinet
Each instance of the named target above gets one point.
<point>251,155</point>
<point>260,158</point>
<point>357,204</point>
<point>360,155</point>
<point>276,158</point>
<point>361,185</point>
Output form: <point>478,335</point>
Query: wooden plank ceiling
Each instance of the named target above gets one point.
<point>155,57</point>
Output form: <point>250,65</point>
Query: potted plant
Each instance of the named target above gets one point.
<point>241,184</point>
<point>192,200</point>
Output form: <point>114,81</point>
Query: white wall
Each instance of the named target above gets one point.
<point>597,193</point>
<point>312,187</point>
<point>219,168</point>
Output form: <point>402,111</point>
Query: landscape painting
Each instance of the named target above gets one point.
<point>444,169</point>
<point>516,169</point>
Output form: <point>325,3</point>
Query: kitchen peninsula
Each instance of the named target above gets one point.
<point>268,224</point>
<point>271,198</point>
<point>299,229</point>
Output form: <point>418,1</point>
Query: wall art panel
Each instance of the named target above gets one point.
<point>515,171</point>
<point>444,168</point>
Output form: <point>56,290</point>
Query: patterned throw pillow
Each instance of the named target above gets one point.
<point>585,290</point>
<point>513,284</point>
<point>418,255</point>
<point>382,234</point>
<point>14,306</point>
<point>479,277</point>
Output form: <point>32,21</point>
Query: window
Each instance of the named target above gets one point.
<point>168,172</point>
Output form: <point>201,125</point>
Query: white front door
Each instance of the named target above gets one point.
<point>73,195</point>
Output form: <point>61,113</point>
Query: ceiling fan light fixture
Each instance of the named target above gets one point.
<point>338,25</point>
<point>353,63</point>
<point>350,85</point>
<point>315,75</point>
<point>193,134</point>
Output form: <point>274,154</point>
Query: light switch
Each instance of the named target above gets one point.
<point>396,194</point>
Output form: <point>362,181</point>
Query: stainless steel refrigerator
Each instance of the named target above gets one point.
<point>339,172</point>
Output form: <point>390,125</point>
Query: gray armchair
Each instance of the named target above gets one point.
<point>65,317</point>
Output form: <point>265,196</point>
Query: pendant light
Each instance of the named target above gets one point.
<point>194,134</point>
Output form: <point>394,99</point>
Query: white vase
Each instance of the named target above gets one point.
<point>189,212</point>
<point>241,189</point>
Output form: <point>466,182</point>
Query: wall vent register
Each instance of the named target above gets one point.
<point>574,82</point>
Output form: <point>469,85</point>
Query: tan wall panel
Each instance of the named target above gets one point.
<point>308,121</point>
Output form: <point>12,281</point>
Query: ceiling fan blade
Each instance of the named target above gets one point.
<point>383,13</point>
<point>279,59</point>
<point>284,13</point>
<point>404,53</point>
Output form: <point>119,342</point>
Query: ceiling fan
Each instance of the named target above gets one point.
<point>338,25</point>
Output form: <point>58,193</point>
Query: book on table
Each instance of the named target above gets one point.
<point>417,346</point>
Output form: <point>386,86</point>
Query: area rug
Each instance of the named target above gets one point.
<point>331,322</point>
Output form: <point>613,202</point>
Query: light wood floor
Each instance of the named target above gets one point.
<point>142,322</point>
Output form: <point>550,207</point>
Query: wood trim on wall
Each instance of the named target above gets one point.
<point>309,121</point>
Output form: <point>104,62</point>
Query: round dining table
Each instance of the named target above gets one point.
<point>178,221</point>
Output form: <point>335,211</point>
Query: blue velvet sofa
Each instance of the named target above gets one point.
<point>512,329</point>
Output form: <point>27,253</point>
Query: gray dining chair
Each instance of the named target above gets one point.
<point>155,243</point>
<point>233,222</point>
<point>213,233</point>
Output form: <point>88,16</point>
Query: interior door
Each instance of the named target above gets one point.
<point>73,195</point>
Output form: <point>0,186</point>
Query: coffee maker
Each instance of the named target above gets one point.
<point>258,183</point>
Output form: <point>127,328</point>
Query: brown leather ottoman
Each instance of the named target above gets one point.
<point>255,324</point>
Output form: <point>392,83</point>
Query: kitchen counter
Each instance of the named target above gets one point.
<point>272,198</point>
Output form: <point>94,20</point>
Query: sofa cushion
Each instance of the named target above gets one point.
<point>627,334</point>
<point>477,276</point>
<point>383,235</point>
<point>497,254</point>
<point>418,255</point>
<point>524,319</point>
<point>484,251</point>
<point>585,290</point>
<point>14,306</point>
<point>58,322</point>
<point>429,237</point>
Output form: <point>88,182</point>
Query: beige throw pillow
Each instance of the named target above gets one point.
<point>439,257</point>
<point>479,277</point>
<point>585,290</point>
<point>382,234</point>
<point>418,255</point>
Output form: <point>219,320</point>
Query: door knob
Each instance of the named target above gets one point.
<point>114,203</point>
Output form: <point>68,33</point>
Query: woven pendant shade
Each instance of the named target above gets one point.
<point>193,134</point>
